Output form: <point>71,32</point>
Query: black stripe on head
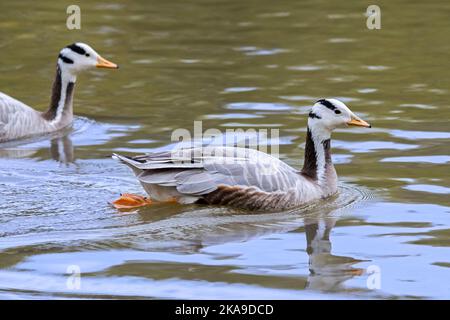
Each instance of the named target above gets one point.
<point>312,115</point>
<point>76,49</point>
<point>65,59</point>
<point>327,104</point>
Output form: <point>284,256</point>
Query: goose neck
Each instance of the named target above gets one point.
<point>60,111</point>
<point>318,165</point>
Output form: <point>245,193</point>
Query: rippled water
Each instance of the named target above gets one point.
<point>230,64</point>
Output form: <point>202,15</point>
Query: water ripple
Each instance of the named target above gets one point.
<point>419,159</point>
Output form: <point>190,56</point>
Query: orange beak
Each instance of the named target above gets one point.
<point>103,63</point>
<point>358,122</point>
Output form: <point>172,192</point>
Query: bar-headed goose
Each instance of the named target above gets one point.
<point>18,120</point>
<point>242,177</point>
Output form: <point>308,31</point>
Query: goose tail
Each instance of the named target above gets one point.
<point>126,160</point>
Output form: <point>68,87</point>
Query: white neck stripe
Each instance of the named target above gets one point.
<point>66,79</point>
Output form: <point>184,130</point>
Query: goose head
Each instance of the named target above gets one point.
<point>79,56</point>
<point>329,114</point>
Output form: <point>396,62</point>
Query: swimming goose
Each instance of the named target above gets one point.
<point>241,177</point>
<point>18,120</point>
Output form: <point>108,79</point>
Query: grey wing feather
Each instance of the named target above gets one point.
<point>15,117</point>
<point>204,173</point>
<point>196,182</point>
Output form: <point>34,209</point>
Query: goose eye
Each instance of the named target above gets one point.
<point>337,111</point>
<point>87,54</point>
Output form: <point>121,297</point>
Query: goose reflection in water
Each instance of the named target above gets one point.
<point>309,232</point>
<point>61,149</point>
<point>328,272</point>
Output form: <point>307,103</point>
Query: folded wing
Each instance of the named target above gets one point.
<point>199,171</point>
<point>15,118</point>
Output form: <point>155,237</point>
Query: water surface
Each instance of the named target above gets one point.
<point>230,64</point>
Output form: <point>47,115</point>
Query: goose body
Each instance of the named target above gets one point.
<point>17,120</point>
<point>247,178</point>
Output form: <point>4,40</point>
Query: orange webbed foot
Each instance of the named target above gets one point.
<point>130,201</point>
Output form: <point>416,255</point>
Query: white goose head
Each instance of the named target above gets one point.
<point>72,60</point>
<point>325,116</point>
<point>329,114</point>
<point>79,56</point>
